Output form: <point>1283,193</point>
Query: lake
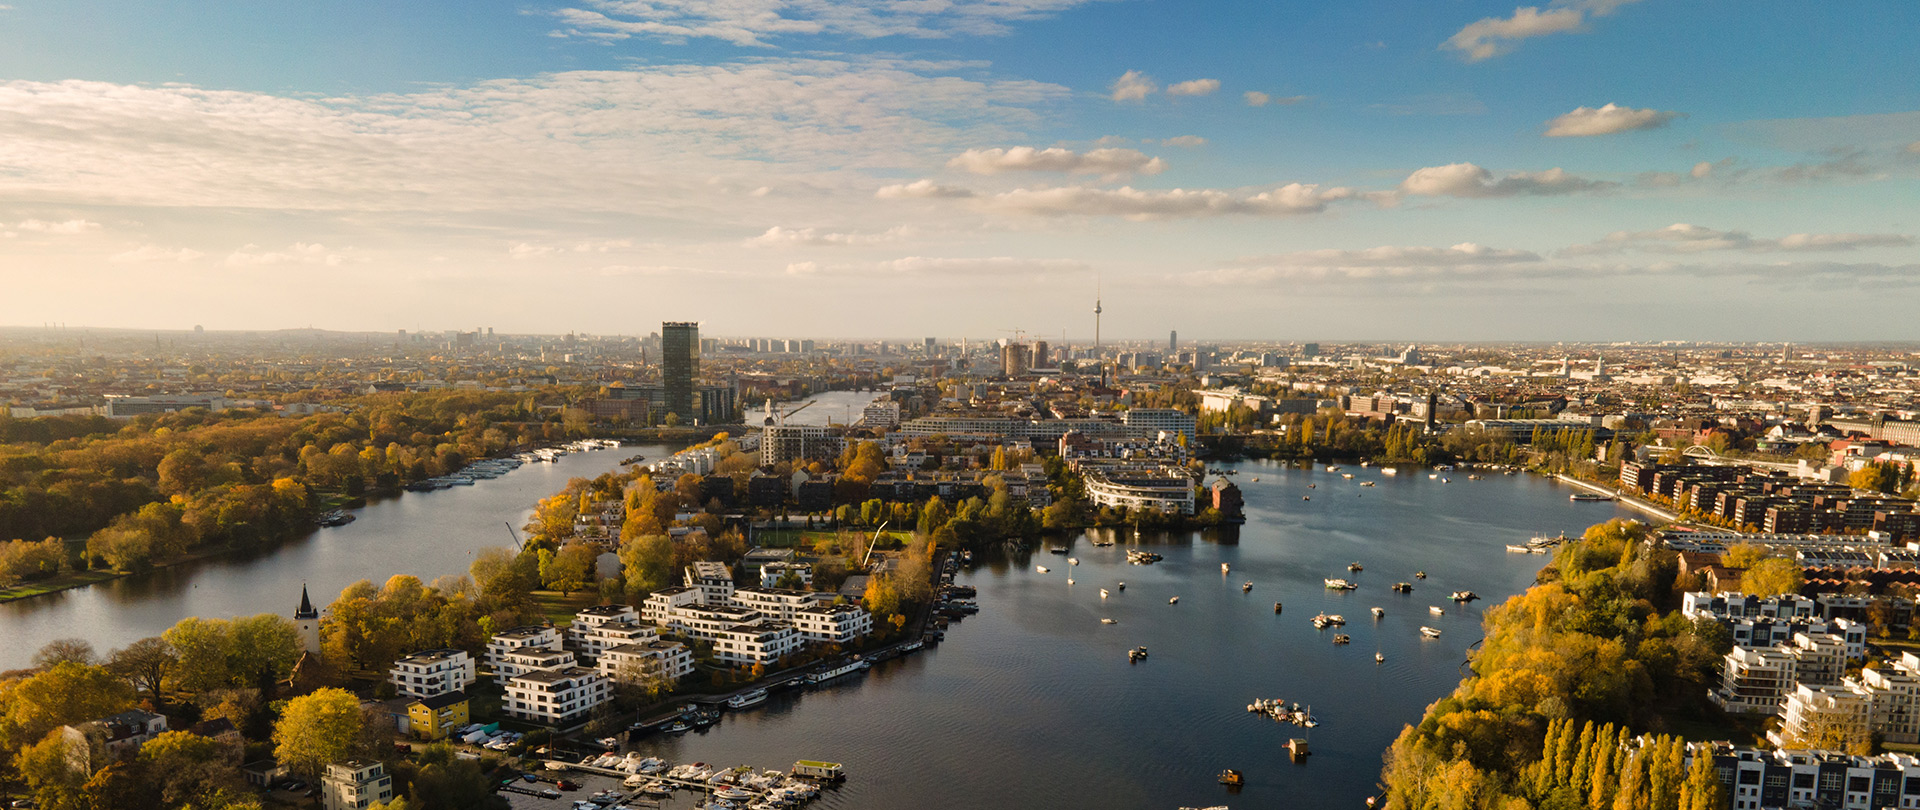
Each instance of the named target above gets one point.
<point>1032,703</point>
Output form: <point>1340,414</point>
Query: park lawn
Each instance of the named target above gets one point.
<point>787,538</point>
<point>76,579</point>
<point>559,609</point>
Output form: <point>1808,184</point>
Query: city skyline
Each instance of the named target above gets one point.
<point>1586,170</point>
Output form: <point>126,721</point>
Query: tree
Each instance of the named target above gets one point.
<point>316,729</point>
<point>1744,555</point>
<point>202,646</point>
<point>188,768</point>
<point>262,649</point>
<point>647,562</point>
<point>145,664</point>
<point>76,650</point>
<point>56,784</point>
<point>64,694</point>
<point>1702,790</point>
<point>1772,577</point>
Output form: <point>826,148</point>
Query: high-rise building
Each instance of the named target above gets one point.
<point>680,365</point>
<point>1014,358</point>
<point>1310,350</point>
<point>1040,355</point>
<point>1173,341</point>
<point>930,347</point>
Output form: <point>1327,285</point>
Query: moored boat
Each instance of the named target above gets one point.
<point>1429,632</point>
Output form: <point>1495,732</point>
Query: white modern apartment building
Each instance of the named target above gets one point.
<point>1167,489</point>
<point>779,603</point>
<point>1881,700</point>
<point>355,785</point>
<point>833,624</point>
<point>882,413</point>
<point>602,626</point>
<point>760,642</point>
<point>660,604</point>
<point>669,658</point>
<point>1758,680</point>
<point>532,659</point>
<point>556,697</point>
<point>1151,421</point>
<point>521,639</point>
<point>715,581</point>
<point>773,572</point>
<point>432,673</point>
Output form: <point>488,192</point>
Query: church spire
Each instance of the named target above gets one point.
<point>306,610</point>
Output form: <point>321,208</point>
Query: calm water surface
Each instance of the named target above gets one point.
<point>1032,704</point>
<point>426,534</point>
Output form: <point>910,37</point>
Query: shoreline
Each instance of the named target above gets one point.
<point>1622,497</point>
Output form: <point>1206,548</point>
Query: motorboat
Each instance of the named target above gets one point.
<point>1073,560</point>
<point>1419,575</point>
<point>1246,587</point>
<point>1403,587</point>
<point>1379,613</point>
<point>1041,569</point>
<point>1465,596</point>
<point>1121,586</point>
<point>1174,601</point>
<point>750,697</point>
<point>1437,610</point>
<point>1276,608</point>
<point>1355,567</point>
<point>1232,778</point>
<point>1340,585</point>
<point>1103,593</point>
<point>1226,568</point>
<point>1379,658</point>
<point>1069,580</point>
<point>1429,632</point>
<point>1342,638</point>
<point>1108,621</point>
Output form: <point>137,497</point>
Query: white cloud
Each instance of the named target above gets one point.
<point>69,227</point>
<point>1913,148</point>
<point>777,236</point>
<point>921,189</point>
<point>1372,263</point>
<point>1469,180</point>
<point>641,142</point>
<point>1682,237</point>
<point>1193,87</point>
<point>934,267</point>
<point>529,250</point>
<point>1492,36</point>
<point>154,254</point>
<point>1701,170</point>
<point>1256,98</point>
<point>1607,120</point>
<point>1132,86</point>
<point>753,22</point>
<point>1134,203</point>
<point>1029,159</point>
<point>1190,141</point>
<point>299,253</point>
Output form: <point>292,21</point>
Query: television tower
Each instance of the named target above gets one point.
<point>1096,316</point>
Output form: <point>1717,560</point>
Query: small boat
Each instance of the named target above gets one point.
<point>1419,575</point>
<point>1041,569</point>
<point>1465,596</point>
<point>1276,608</point>
<point>1342,638</point>
<point>1379,658</point>
<point>1121,586</point>
<point>1588,497</point>
<point>1389,471</point>
<point>1108,621</point>
<point>1313,486</point>
<point>1306,498</point>
<point>1256,479</point>
<point>1073,560</point>
<point>1057,550</point>
<point>1346,475</point>
<point>1437,610</point>
<point>733,794</point>
<point>1429,632</point>
<point>1366,483</point>
<point>1340,585</point>
<point>1232,778</point>
<point>1069,580</point>
<point>1246,587</point>
<point>1433,476</point>
<point>1103,593</point>
<point>750,697</point>
<point>1225,568</point>
<point>1403,587</point>
<point>678,727</point>
<point>1174,601</point>
<point>1355,567</point>
<point>1379,612</point>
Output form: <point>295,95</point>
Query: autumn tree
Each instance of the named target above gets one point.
<point>1772,577</point>
<point>63,694</point>
<point>316,729</point>
<point>145,664</point>
<point>647,563</point>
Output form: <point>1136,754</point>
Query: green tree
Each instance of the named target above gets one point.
<point>316,729</point>
<point>56,785</point>
<point>64,694</point>
<point>1772,577</point>
<point>647,563</point>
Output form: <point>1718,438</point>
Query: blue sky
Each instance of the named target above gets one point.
<point>1409,170</point>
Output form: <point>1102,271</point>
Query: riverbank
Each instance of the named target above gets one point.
<point>1629,500</point>
<point>56,584</point>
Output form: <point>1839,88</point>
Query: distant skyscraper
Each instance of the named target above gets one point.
<point>1014,358</point>
<point>1310,350</point>
<point>679,366</point>
<point>1173,341</point>
<point>1040,354</point>
<point>930,347</point>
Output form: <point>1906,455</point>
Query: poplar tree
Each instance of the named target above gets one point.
<point>1664,775</point>
<point>1702,790</point>
<point>1583,764</point>
<point>1632,794</point>
<point>1600,783</point>
<point>1564,760</point>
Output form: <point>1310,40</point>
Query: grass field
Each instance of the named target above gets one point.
<point>789,538</point>
<point>76,579</point>
<point>560,609</point>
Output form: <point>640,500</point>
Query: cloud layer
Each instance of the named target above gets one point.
<point>1493,36</point>
<point>1607,120</point>
<point>1682,237</point>
<point>754,23</point>
<point>1469,180</point>
<point>1030,159</point>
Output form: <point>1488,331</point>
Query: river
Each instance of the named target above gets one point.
<point>1032,703</point>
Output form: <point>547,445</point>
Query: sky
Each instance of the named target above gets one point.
<point>1241,169</point>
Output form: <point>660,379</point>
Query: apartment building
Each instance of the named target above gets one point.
<point>669,658</point>
<point>833,624</point>
<point>432,672</point>
<point>779,603</point>
<point>556,697</point>
<point>355,785</point>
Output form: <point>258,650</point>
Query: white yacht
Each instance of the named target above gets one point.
<point>751,697</point>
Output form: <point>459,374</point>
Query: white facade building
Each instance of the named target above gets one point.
<point>779,603</point>
<point>1151,421</point>
<point>355,785</point>
<point>1167,489</point>
<point>668,658</point>
<point>715,581</point>
<point>660,605</point>
<point>556,697</point>
<point>773,572</point>
<point>833,624</point>
<point>760,642</point>
<point>432,673</point>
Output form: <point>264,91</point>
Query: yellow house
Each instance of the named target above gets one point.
<point>436,717</point>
